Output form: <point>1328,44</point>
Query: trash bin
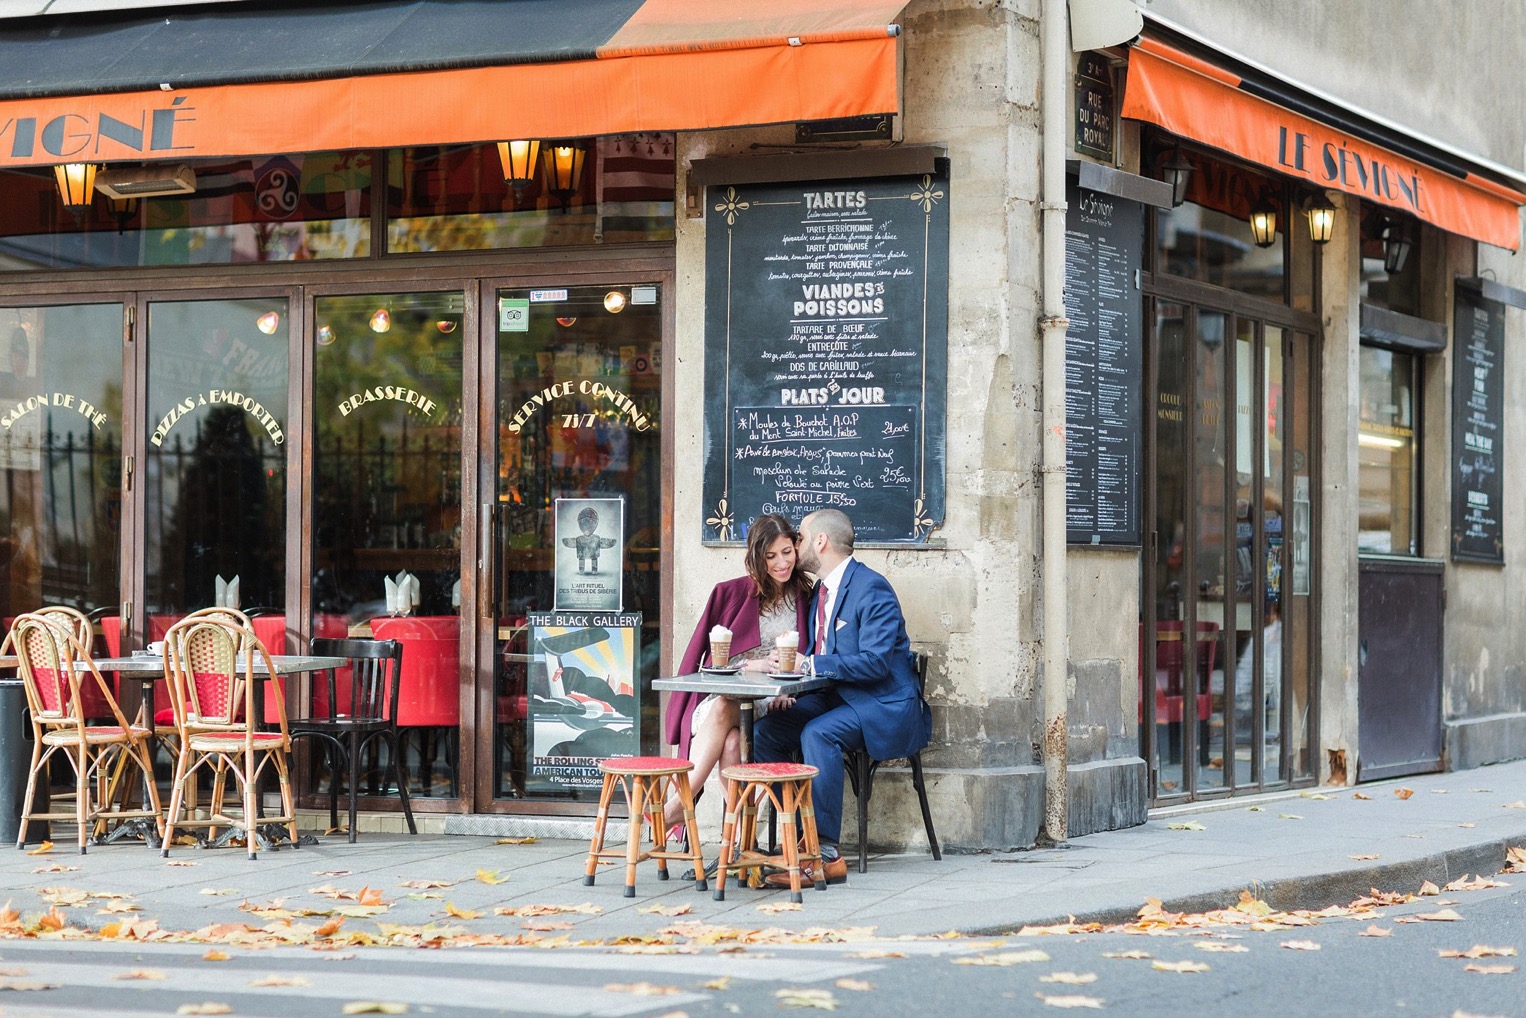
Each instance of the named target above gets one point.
<point>15,758</point>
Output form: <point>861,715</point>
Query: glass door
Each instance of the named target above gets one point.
<point>214,463</point>
<point>573,515</point>
<point>1226,659</point>
<point>386,510</point>
<point>61,404</point>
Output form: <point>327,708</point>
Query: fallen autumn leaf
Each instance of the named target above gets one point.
<point>1073,1000</point>
<point>642,989</point>
<point>1185,967</point>
<point>821,999</point>
<point>1004,958</point>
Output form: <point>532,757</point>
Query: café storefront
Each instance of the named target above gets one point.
<point>375,343</point>
<point>1285,442</point>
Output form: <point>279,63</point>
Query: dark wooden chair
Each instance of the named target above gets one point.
<point>360,708</point>
<point>861,768</point>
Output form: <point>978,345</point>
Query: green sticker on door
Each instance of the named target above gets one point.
<point>513,314</point>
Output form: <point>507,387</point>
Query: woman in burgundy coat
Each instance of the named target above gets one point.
<point>773,598</point>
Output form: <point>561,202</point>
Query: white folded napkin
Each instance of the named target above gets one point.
<point>226,595</point>
<point>402,592</point>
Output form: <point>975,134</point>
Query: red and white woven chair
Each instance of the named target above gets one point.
<point>210,670</point>
<point>57,671</point>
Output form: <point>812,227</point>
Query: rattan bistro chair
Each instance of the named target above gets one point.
<point>360,709</point>
<point>56,669</point>
<point>210,668</point>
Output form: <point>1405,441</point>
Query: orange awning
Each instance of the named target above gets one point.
<point>639,65</point>
<point>1195,99</point>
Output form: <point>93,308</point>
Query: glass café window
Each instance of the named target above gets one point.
<point>606,190</point>
<point>387,503</point>
<point>60,457</point>
<point>317,206</point>
<point>267,209</point>
<point>1387,454</point>
<point>1208,237</point>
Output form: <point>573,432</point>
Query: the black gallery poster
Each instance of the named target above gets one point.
<point>826,353</point>
<point>1478,413</point>
<point>1104,238</point>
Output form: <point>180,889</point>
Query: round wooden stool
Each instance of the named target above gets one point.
<point>788,787</point>
<point>646,780</point>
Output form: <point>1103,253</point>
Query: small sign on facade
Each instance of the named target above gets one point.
<point>1096,107</point>
<point>513,314</point>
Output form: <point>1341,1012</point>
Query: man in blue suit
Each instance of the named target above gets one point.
<point>857,638</point>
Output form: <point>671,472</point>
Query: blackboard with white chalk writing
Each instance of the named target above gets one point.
<point>1478,417</point>
<point>1104,241</point>
<point>826,353</point>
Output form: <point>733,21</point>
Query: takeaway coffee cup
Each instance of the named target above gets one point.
<point>785,645</point>
<point>720,647</point>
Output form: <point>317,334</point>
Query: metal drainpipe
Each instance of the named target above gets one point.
<point>1053,325</point>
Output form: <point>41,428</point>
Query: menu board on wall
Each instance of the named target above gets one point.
<point>826,352</point>
<point>1104,239</point>
<point>1478,413</point>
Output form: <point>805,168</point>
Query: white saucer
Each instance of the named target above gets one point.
<point>728,670</point>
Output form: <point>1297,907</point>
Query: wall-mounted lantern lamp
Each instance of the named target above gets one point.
<point>519,159</point>
<point>1396,245</point>
<point>1263,224</point>
<point>76,185</point>
<point>564,169</point>
<point>1321,219</point>
<point>1178,171</point>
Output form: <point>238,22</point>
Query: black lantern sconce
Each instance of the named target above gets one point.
<point>1178,173</point>
<point>519,159</point>
<point>76,186</point>
<point>1396,245</point>
<point>1263,223</point>
<point>1321,219</point>
<point>564,169</point>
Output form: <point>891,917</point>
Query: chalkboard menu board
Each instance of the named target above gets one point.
<point>826,354</point>
<point>1104,240</point>
<point>1478,413</point>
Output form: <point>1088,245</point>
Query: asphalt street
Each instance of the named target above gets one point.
<point>1384,960</point>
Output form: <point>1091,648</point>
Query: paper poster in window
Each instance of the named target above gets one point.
<point>584,697</point>
<point>590,553</point>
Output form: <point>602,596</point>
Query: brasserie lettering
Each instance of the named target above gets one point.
<point>387,392</point>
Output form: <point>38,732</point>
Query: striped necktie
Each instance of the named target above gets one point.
<point>821,618</point>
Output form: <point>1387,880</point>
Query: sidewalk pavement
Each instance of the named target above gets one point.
<point>1293,850</point>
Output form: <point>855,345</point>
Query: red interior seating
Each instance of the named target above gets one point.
<point>429,693</point>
